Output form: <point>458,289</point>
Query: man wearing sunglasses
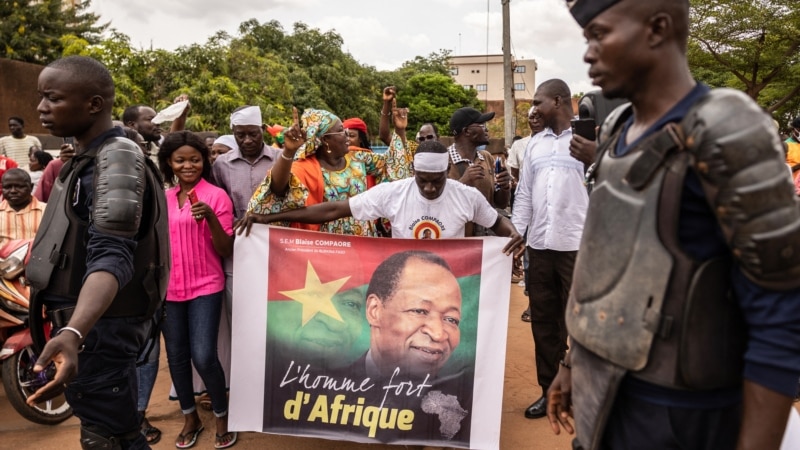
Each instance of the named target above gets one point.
<point>427,132</point>
<point>475,167</point>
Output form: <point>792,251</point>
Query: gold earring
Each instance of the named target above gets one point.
<point>327,147</point>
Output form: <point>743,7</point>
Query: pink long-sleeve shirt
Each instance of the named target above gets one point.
<point>196,266</point>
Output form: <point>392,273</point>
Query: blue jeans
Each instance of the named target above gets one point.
<point>147,371</point>
<point>190,336</point>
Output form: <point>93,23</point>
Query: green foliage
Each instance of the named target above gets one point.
<point>432,97</point>
<point>33,31</point>
<point>263,65</point>
<point>751,46</point>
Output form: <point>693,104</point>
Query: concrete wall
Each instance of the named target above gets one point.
<point>18,96</point>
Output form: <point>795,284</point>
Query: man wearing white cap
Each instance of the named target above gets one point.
<point>242,169</point>
<point>428,206</point>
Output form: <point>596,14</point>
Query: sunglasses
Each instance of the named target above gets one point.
<point>429,137</point>
<point>337,133</point>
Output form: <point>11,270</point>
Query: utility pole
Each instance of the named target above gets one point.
<point>508,76</point>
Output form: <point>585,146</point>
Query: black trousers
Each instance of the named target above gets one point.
<point>548,284</point>
<point>104,394</point>
<point>637,424</point>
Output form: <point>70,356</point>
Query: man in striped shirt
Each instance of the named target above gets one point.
<point>20,212</point>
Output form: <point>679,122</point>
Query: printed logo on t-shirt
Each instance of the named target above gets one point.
<point>427,229</point>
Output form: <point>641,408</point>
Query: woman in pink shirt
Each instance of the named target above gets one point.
<point>200,227</point>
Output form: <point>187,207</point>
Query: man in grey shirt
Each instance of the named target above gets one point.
<point>241,170</point>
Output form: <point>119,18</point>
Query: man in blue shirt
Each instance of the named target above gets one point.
<point>683,313</point>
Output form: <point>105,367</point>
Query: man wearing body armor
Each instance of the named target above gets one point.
<point>100,261</point>
<point>683,314</point>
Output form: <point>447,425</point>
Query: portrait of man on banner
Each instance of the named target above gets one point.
<point>371,343</point>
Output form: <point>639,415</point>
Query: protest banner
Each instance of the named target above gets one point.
<point>412,355</point>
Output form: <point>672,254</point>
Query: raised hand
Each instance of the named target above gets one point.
<point>294,137</point>
<point>400,116</point>
<point>389,93</point>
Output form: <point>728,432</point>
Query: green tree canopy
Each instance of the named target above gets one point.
<point>32,31</point>
<point>266,66</point>
<point>752,46</point>
<point>433,97</point>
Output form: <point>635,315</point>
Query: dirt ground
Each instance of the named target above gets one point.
<point>517,432</point>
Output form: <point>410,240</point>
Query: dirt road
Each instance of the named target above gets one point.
<point>517,432</point>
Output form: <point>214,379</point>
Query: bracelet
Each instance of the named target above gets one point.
<point>564,363</point>
<point>286,158</point>
<point>78,333</point>
<point>386,114</point>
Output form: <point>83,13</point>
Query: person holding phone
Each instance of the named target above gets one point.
<point>550,205</point>
<point>201,234</point>
<point>583,145</point>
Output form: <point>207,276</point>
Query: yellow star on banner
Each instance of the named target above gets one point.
<point>317,296</point>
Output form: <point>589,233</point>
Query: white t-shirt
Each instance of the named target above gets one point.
<point>516,152</point>
<point>415,217</point>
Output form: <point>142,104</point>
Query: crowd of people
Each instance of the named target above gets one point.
<point>629,294</point>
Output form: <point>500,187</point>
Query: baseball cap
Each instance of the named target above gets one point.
<point>464,117</point>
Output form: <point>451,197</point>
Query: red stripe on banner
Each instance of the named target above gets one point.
<point>336,256</point>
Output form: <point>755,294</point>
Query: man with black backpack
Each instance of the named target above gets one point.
<point>100,261</point>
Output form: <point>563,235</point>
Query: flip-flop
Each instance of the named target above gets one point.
<point>228,444</point>
<point>182,438</point>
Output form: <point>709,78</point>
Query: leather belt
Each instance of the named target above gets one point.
<point>60,317</point>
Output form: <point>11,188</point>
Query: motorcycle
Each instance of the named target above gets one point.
<point>17,355</point>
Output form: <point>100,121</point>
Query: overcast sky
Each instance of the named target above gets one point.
<point>379,33</point>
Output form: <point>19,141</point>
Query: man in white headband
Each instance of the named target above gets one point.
<point>428,206</point>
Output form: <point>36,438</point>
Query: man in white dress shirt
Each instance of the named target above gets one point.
<point>550,204</point>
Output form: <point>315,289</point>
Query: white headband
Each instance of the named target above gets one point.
<point>431,162</point>
<point>250,115</point>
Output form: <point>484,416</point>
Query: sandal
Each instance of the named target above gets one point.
<point>220,442</point>
<point>151,434</point>
<point>181,442</point>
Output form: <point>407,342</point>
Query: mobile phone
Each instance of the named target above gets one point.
<point>585,128</point>
<point>70,141</point>
<point>497,169</point>
<point>192,196</point>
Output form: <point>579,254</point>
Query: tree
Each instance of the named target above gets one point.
<point>753,46</point>
<point>433,97</point>
<point>32,31</point>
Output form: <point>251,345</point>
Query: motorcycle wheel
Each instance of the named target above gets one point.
<point>20,382</point>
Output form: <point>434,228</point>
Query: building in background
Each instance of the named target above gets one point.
<point>484,73</point>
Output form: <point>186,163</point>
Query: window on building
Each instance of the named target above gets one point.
<point>519,69</point>
<point>519,86</point>
<point>480,87</point>
<point>467,86</point>
<point>454,71</point>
